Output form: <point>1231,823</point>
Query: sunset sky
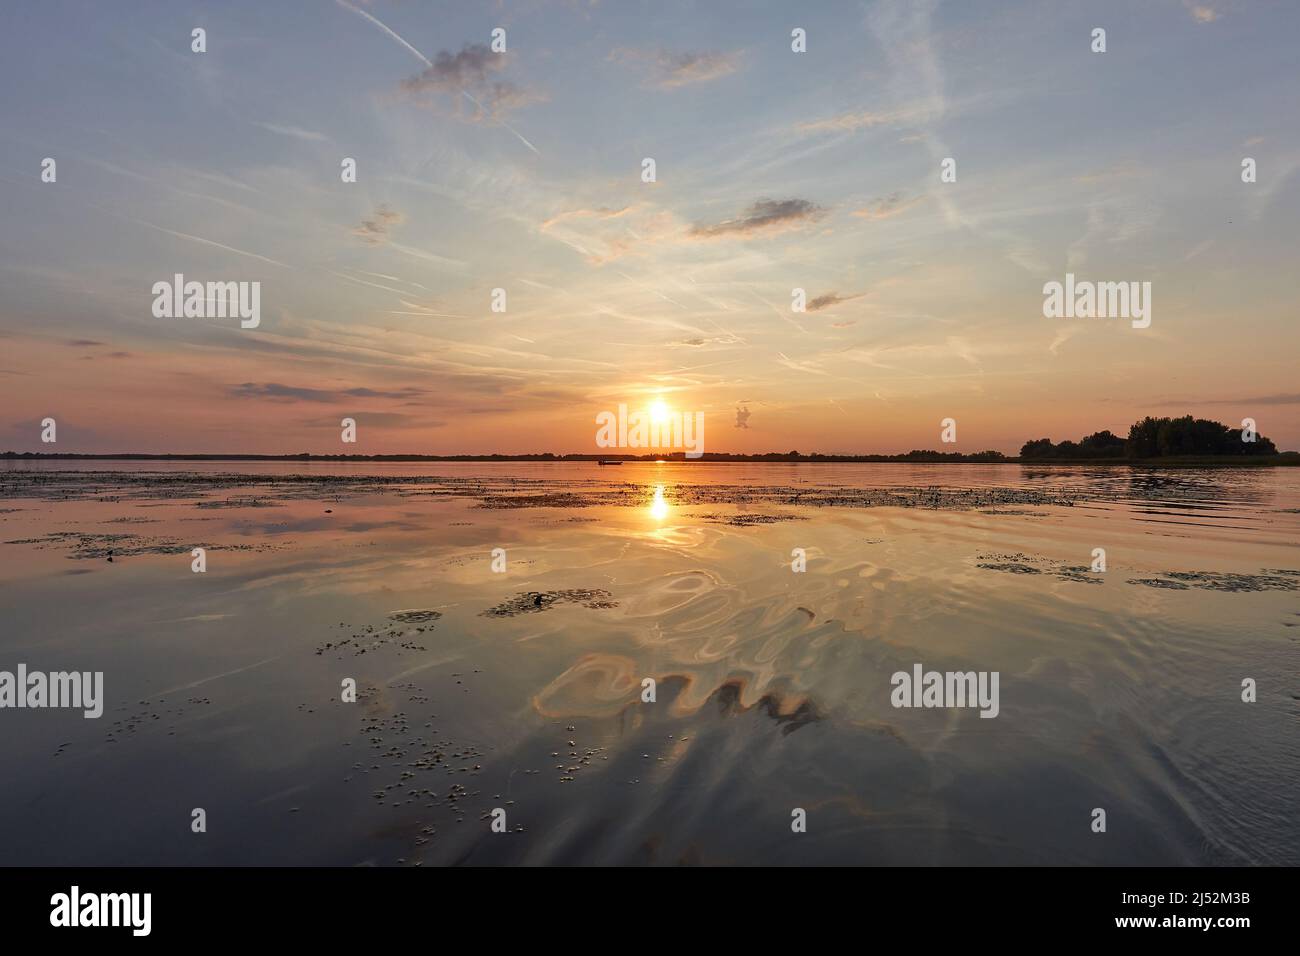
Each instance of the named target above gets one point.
<point>775,170</point>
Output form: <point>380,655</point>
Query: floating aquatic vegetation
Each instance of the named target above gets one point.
<point>415,616</point>
<point>1224,581</point>
<point>529,602</point>
<point>747,520</point>
<point>1031,564</point>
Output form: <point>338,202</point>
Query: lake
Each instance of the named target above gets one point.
<point>501,621</point>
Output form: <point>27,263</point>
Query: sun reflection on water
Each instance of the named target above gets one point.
<point>659,507</point>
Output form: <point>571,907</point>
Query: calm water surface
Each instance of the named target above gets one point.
<point>1119,690</point>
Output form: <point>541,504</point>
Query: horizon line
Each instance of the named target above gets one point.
<point>987,456</point>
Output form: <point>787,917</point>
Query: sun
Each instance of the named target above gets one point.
<point>658,412</point>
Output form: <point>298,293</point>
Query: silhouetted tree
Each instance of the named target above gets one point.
<point>1154,438</point>
<point>1102,444</point>
<point>1164,437</point>
<point>1038,448</point>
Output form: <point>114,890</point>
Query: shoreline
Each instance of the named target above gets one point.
<point>1284,460</point>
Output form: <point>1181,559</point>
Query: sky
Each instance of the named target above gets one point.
<point>522,170</point>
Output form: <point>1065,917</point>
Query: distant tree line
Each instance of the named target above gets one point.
<point>1155,438</point>
<point>673,456</point>
<point>1149,438</point>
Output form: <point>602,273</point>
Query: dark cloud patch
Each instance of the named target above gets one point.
<point>111,355</point>
<point>830,299</point>
<point>83,343</point>
<point>742,417</point>
<point>452,72</point>
<point>765,217</point>
<point>277,392</point>
<point>373,393</point>
<point>468,82</point>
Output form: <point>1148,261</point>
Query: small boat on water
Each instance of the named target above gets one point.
<point>601,462</point>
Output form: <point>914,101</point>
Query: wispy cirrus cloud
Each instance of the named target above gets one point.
<point>887,207</point>
<point>848,122</point>
<point>1124,170</point>
<point>602,212</point>
<point>295,132</point>
<point>211,242</point>
<point>1282,398</point>
<point>1062,336</point>
<point>669,71</point>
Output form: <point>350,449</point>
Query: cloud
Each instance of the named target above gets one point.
<point>452,72</point>
<point>210,242</point>
<point>276,391</point>
<point>470,75</point>
<point>669,71</point>
<point>389,420</point>
<point>915,113</point>
<point>83,343</point>
<point>297,132</point>
<point>1285,398</point>
<point>742,417</point>
<point>602,212</point>
<point>830,299</point>
<point>410,392</point>
<point>375,230</point>
<point>1064,335</point>
<point>1113,221</point>
<point>1201,12</point>
<point>1125,170</point>
<point>765,217</point>
<point>846,122</point>
<point>604,234</point>
<point>844,325</point>
<point>112,355</point>
<point>887,207</point>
